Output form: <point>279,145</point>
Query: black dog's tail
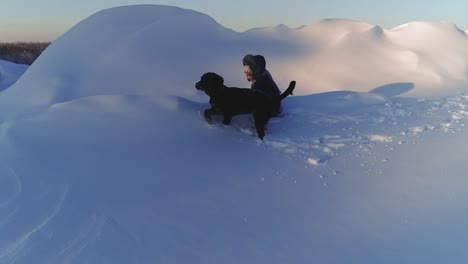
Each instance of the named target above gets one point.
<point>288,91</point>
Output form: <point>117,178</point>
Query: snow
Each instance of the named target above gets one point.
<point>106,157</point>
<point>10,73</point>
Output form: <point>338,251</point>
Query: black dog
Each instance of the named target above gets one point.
<point>230,101</point>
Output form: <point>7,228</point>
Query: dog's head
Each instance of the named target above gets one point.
<point>209,83</point>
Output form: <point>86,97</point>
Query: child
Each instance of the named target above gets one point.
<point>256,73</point>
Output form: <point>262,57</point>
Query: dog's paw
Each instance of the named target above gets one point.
<point>209,120</point>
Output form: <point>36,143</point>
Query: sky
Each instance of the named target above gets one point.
<point>32,20</point>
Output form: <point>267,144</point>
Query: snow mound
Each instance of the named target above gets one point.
<point>430,55</point>
<point>138,49</point>
<point>134,49</point>
<point>10,73</point>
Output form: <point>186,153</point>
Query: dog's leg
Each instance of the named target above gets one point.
<point>208,113</point>
<point>260,127</point>
<point>261,120</point>
<point>227,119</point>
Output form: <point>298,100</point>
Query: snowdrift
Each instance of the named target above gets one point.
<point>164,50</point>
<point>106,157</point>
<point>10,73</point>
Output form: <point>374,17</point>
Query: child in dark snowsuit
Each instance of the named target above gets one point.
<point>256,72</point>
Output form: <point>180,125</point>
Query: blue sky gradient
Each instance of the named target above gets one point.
<point>32,20</point>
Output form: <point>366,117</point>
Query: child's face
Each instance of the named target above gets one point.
<point>249,76</point>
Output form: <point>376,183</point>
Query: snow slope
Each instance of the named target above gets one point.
<point>105,156</point>
<point>10,73</point>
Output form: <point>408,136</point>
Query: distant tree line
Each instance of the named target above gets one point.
<point>22,52</point>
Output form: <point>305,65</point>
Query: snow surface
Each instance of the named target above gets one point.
<point>106,158</point>
<point>10,73</point>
